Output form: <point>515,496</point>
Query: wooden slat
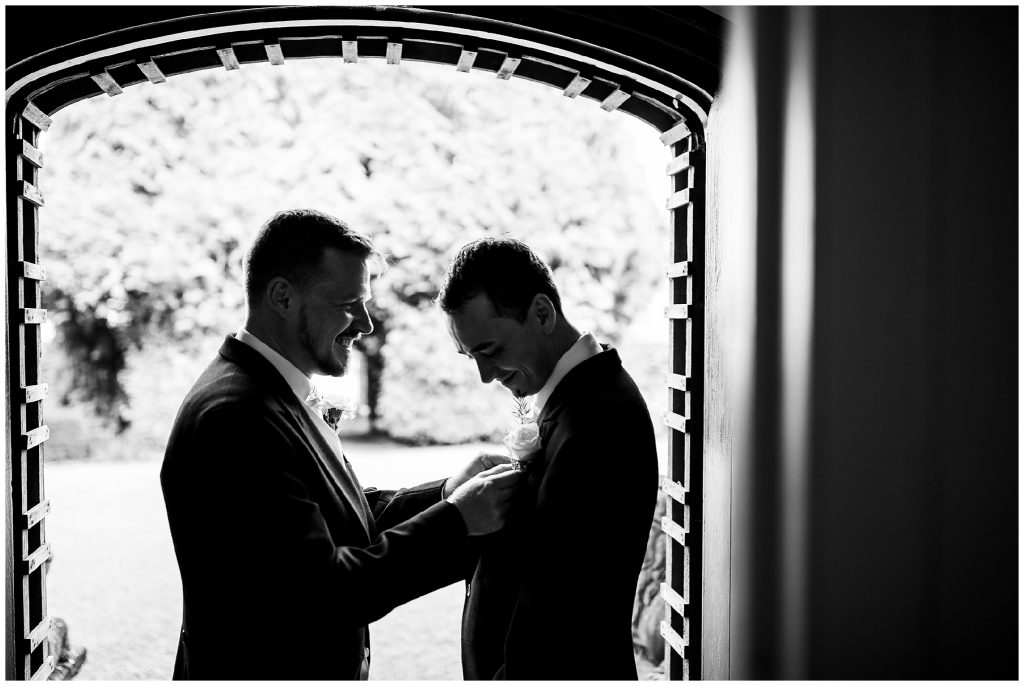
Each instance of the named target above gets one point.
<point>674,421</point>
<point>675,134</point>
<point>152,72</point>
<point>350,51</point>
<point>36,116</point>
<point>576,86</point>
<point>394,53</point>
<point>228,58</point>
<point>508,67</point>
<point>676,531</point>
<point>678,199</point>
<point>613,101</point>
<point>678,270</point>
<point>677,381</point>
<point>107,83</point>
<point>32,562</point>
<point>673,599</point>
<point>33,394</point>
<point>36,514</point>
<point>33,315</point>
<point>466,60</point>
<point>36,436</point>
<point>32,154</point>
<point>673,489</point>
<point>32,194</point>
<point>274,53</point>
<point>38,635</point>
<point>677,642</point>
<point>44,671</point>
<point>678,164</point>
<point>677,311</point>
<point>35,272</point>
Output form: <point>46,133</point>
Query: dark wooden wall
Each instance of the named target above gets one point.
<point>912,468</point>
<point>915,541</point>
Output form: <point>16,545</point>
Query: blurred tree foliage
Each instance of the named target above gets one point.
<point>153,196</point>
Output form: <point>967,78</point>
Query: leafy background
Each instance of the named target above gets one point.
<point>153,196</point>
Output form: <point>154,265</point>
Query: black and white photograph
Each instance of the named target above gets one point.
<point>512,342</point>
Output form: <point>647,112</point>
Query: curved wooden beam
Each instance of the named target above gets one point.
<point>151,52</point>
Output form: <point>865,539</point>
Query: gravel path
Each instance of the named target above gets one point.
<point>115,581</point>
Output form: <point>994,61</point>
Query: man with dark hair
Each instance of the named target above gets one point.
<point>284,558</point>
<point>551,596</point>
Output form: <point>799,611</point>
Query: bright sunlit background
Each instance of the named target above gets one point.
<point>152,199</point>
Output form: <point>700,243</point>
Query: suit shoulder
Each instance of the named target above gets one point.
<point>224,402</point>
<point>609,401</point>
<point>224,385</point>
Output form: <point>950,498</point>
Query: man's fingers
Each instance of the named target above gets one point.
<point>496,470</point>
<point>493,459</point>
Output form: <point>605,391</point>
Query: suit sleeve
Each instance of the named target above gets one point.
<point>242,500</point>
<point>394,507</point>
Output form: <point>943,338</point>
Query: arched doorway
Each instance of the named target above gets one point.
<point>667,86</point>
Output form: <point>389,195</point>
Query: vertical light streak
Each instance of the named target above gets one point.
<point>797,301</point>
<point>733,193</point>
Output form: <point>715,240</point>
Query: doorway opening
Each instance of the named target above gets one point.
<point>677,119</point>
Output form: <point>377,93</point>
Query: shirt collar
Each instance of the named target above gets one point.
<point>297,381</point>
<point>583,349</point>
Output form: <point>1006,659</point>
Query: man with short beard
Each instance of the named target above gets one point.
<point>284,558</point>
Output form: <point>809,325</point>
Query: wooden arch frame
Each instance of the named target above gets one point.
<point>660,66</point>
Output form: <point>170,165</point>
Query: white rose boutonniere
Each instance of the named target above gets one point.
<point>523,439</point>
<point>332,407</point>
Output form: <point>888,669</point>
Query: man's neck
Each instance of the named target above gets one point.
<point>564,337</point>
<point>271,338</point>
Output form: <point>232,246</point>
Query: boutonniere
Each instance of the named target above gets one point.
<point>331,407</point>
<point>523,439</point>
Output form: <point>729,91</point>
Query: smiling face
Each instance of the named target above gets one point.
<point>520,356</point>
<point>331,314</point>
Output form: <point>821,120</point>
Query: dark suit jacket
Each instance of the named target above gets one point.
<point>551,596</point>
<point>283,560</point>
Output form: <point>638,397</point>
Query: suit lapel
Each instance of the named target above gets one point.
<point>334,465</point>
<point>331,463</point>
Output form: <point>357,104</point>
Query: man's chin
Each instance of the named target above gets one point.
<point>513,385</point>
<point>335,367</point>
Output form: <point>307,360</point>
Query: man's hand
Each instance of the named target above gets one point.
<point>481,463</point>
<point>484,499</point>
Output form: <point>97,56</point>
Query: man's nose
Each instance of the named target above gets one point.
<point>362,322</point>
<point>486,370</point>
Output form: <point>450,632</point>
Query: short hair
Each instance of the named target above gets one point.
<point>291,244</point>
<point>505,270</point>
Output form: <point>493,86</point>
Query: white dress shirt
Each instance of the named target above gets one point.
<point>300,384</point>
<point>583,349</point>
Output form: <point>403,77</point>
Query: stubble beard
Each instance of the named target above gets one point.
<point>327,363</point>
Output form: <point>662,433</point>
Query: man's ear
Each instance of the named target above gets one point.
<point>280,296</point>
<point>544,312</point>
